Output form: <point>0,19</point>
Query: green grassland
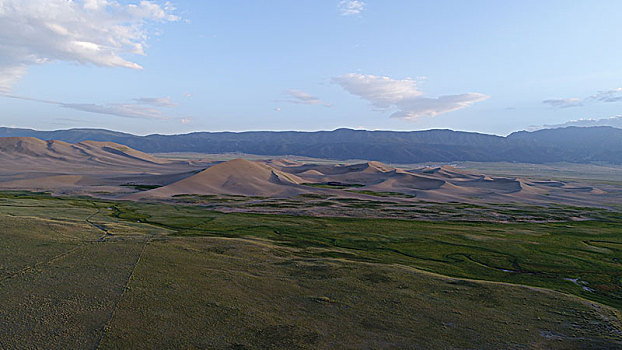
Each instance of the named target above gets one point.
<point>85,273</point>
<point>389,205</point>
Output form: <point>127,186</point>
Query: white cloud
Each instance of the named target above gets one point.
<point>301,97</point>
<point>98,32</point>
<point>153,11</point>
<point>382,92</point>
<point>95,4</point>
<point>564,102</point>
<point>9,75</point>
<point>351,7</point>
<point>403,95</point>
<point>430,107</point>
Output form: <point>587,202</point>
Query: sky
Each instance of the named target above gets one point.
<point>204,65</point>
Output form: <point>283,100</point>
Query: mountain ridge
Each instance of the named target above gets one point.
<point>570,144</point>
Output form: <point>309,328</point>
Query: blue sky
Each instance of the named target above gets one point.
<point>181,66</point>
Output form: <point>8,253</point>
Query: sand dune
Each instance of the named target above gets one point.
<point>47,182</point>
<point>311,173</point>
<point>370,173</point>
<point>30,163</point>
<point>340,169</point>
<point>28,152</point>
<point>105,167</point>
<point>282,162</point>
<point>444,183</point>
<point>237,177</point>
<point>450,172</point>
<point>501,185</point>
<point>406,181</point>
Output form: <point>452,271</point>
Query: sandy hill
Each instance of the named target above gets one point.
<point>83,168</point>
<point>32,153</point>
<point>236,177</point>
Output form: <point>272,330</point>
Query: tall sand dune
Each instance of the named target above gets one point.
<point>236,177</point>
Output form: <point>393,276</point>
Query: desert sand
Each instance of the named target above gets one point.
<point>110,170</point>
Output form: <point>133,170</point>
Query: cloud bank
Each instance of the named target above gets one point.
<point>404,96</point>
<point>98,32</point>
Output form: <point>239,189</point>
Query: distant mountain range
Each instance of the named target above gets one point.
<point>571,144</point>
<point>615,122</point>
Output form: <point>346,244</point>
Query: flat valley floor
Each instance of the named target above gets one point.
<point>84,273</point>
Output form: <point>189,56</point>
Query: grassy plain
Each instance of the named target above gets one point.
<point>86,273</point>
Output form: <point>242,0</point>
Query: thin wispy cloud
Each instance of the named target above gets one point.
<point>605,96</point>
<point>156,101</point>
<point>564,102</point>
<point>98,32</point>
<point>301,97</point>
<point>403,96</point>
<point>614,95</point>
<point>126,110</point>
<point>615,122</point>
<point>351,7</point>
<point>138,110</point>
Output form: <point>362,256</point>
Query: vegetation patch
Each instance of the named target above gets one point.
<point>333,185</point>
<point>141,187</point>
<point>384,193</point>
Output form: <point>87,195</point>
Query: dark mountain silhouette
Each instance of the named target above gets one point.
<point>571,144</point>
